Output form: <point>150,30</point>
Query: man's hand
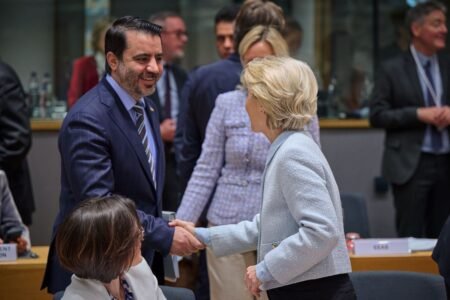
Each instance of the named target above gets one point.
<point>443,118</point>
<point>189,226</point>
<point>184,243</point>
<point>252,282</point>
<point>167,128</point>
<point>429,115</point>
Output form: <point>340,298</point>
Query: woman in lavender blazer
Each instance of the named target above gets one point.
<point>298,234</point>
<point>232,163</point>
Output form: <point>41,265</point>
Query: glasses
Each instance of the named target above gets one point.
<point>179,33</point>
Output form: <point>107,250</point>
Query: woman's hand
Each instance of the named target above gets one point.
<point>252,282</point>
<point>189,226</point>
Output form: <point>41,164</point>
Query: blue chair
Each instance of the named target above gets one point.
<point>355,214</point>
<point>177,293</point>
<point>397,285</point>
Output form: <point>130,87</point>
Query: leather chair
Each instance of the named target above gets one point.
<point>355,214</point>
<point>397,285</point>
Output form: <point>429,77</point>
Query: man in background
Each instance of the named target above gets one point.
<point>293,34</point>
<point>15,141</point>
<point>411,102</point>
<point>167,96</point>
<point>224,29</point>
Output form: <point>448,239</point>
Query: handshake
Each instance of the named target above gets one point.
<point>184,240</point>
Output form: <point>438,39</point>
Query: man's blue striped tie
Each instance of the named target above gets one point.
<point>139,110</point>
<point>436,135</point>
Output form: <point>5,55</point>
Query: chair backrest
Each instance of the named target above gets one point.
<point>355,214</point>
<point>177,293</point>
<point>390,285</point>
<point>171,293</point>
<point>58,295</point>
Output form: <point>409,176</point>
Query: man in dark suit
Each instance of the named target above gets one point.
<point>15,140</point>
<point>411,101</point>
<point>110,143</point>
<point>167,96</point>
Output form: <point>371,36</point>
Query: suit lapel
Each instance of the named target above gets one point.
<point>411,71</point>
<point>122,119</point>
<point>157,103</point>
<point>180,79</point>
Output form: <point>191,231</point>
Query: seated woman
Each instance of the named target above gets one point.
<point>298,234</point>
<point>100,243</point>
<point>12,230</point>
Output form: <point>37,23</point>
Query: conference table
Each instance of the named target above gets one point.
<point>22,279</point>
<point>413,262</point>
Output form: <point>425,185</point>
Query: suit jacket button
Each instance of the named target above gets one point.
<point>274,245</point>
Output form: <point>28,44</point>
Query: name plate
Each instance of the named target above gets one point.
<point>8,252</point>
<point>381,246</point>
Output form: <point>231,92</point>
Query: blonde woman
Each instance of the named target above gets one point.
<point>298,233</point>
<point>232,161</point>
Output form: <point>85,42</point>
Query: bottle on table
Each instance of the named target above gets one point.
<point>33,94</point>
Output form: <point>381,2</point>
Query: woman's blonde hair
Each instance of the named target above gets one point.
<point>286,89</point>
<point>264,34</point>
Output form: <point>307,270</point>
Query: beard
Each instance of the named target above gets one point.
<point>129,80</point>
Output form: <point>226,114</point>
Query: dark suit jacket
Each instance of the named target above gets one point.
<point>84,77</point>
<point>180,78</point>
<point>198,99</point>
<point>394,102</point>
<point>101,154</point>
<point>441,254</point>
<point>15,140</point>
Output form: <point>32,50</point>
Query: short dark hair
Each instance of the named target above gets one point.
<point>98,238</point>
<point>115,39</point>
<point>227,14</point>
<point>421,10</point>
<point>257,12</point>
<point>160,17</point>
<point>292,25</point>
